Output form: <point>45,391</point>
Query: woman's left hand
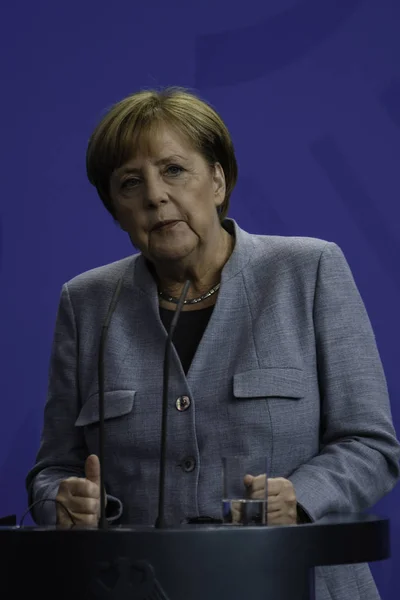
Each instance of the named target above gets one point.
<point>281,498</point>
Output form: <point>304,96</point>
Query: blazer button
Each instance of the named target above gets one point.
<point>188,464</point>
<point>182,403</point>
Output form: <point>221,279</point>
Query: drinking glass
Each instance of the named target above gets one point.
<point>238,508</point>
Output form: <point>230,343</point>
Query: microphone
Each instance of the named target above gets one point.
<point>103,338</point>
<point>160,522</point>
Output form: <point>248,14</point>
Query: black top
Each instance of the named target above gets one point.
<point>188,333</point>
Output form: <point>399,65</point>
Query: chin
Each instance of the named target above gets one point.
<point>171,253</point>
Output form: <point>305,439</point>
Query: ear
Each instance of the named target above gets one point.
<point>219,184</point>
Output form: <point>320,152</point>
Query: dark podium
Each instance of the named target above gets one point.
<point>192,562</point>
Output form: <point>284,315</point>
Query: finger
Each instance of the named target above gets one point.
<point>274,486</point>
<point>92,469</point>
<point>236,512</point>
<point>82,519</point>
<point>85,506</point>
<point>67,484</point>
<point>274,506</point>
<point>248,480</point>
<point>258,495</point>
<point>84,488</point>
<point>287,493</point>
<point>62,516</point>
<point>281,518</point>
<point>258,483</point>
<point>276,518</point>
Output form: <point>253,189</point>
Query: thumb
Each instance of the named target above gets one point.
<point>92,469</point>
<point>248,480</point>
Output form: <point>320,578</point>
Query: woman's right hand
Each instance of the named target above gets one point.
<point>81,496</point>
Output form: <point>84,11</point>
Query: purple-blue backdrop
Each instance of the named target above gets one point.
<point>310,90</point>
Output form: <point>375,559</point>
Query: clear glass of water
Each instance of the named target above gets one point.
<point>238,508</point>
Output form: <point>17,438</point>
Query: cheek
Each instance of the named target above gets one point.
<point>139,239</point>
<point>136,242</point>
<point>129,221</point>
<point>126,214</point>
<point>138,235</point>
<point>124,206</point>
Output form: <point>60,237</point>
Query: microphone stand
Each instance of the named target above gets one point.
<point>103,337</point>
<point>160,522</point>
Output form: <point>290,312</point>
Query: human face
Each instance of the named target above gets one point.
<point>166,197</point>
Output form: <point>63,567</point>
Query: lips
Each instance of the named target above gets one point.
<point>164,224</point>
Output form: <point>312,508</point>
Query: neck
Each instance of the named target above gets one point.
<point>204,272</point>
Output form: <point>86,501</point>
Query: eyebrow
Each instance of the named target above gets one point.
<point>162,161</point>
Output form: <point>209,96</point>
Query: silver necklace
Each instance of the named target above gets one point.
<point>192,300</point>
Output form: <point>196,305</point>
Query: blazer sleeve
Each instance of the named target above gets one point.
<point>62,451</point>
<point>358,460</point>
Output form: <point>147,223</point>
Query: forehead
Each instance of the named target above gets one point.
<point>160,140</point>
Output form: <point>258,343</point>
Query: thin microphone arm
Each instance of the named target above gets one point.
<point>160,522</point>
<point>103,338</point>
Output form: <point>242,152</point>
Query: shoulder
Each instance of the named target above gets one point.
<point>293,252</point>
<point>100,279</point>
<point>296,267</point>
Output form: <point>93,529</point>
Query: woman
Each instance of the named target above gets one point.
<point>274,352</point>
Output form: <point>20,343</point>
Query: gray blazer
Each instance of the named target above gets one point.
<point>288,367</point>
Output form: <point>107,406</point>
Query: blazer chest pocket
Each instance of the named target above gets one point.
<point>117,403</point>
<point>285,383</point>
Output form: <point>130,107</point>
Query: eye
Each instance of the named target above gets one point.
<point>174,170</point>
<point>129,183</point>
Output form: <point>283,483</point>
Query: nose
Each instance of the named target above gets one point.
<point>154,192</point>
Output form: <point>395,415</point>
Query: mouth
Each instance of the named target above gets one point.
<point>163,225</point>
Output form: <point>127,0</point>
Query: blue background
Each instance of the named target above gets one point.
<point>310,90</point>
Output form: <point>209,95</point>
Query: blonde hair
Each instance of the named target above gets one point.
<point>112,141</point>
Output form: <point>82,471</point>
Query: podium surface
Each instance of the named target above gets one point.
<point>191,562</point>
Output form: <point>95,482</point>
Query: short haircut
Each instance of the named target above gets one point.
<point>112,142</point>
